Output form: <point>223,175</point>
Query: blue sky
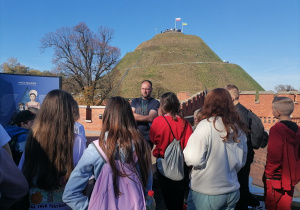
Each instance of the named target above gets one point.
<point>262,36</point>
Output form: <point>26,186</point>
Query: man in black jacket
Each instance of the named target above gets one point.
<point>246,198</point>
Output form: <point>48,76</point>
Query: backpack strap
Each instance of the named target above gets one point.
<point>172,131</point>
<point>183,129</point>
<point>14,140</point>
<point>103,155</point>
<point>100,151</point>
<point>249,118</point>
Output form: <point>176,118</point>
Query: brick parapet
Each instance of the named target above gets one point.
<point>261,106</point>
<point>192,104</point>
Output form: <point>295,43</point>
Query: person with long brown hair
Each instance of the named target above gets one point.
<point>216,150</point>
<point>120,140</point>
<point>170,122</point>
<point>51,151</point>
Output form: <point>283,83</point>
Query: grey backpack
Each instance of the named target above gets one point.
<point>172,165</point>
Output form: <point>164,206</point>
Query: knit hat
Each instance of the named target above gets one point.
<point>24,116</point>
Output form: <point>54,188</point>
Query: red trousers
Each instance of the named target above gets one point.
<point>277,199</point>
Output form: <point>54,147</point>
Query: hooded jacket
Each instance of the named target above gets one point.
<point>283,157</point>
<point>22,136</point>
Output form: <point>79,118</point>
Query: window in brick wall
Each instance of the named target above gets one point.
<point>274,119</point>
<point>265,119</point>
<point>88,116</point>
<point>269,120</point>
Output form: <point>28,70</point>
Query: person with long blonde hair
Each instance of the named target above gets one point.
<point>51,151</point>
<point>119,140</point>
<point>216,150</point>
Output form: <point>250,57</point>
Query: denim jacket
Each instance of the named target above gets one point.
<point>90,164</point>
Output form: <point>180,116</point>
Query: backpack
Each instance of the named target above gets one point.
<point>103,196</point>
<point>12,144</point>
<point>172,165</point>
<point>259,137</point>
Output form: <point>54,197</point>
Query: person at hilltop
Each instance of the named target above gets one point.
<point>246,198</point>
<point>167,126</point>
<point>51,152</point>
<point>145,110</point>
<point>216,150</point>
<point>282,170</point>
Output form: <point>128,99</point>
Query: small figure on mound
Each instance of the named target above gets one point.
<point>282,170</point>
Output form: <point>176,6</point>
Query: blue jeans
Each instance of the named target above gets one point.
<point>212,202</point>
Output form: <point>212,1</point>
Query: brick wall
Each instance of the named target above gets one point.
<point>188,107</point>
<point>92,121</point>
<point>261,106</point>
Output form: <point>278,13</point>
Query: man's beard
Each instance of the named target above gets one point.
<point>146,96</point>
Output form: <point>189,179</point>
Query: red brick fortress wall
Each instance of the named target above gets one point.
<point>261,105</point>
<point>90,117</point>
<point>191,104</point>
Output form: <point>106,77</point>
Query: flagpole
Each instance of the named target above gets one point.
<point>182,27</point>
<point>175,23</point>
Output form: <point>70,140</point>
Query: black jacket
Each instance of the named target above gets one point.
<point>243,113</point>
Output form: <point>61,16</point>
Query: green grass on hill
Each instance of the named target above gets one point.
<point>178,62</point>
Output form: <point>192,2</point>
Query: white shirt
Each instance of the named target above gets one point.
<point>215,162</point>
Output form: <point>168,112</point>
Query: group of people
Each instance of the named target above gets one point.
<point>57,166</point>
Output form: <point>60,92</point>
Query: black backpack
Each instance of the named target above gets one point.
<point>12,143</point>
<point>259,137</point>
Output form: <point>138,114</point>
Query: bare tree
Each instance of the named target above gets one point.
<point>83,56</point>
<point>284,88</point>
